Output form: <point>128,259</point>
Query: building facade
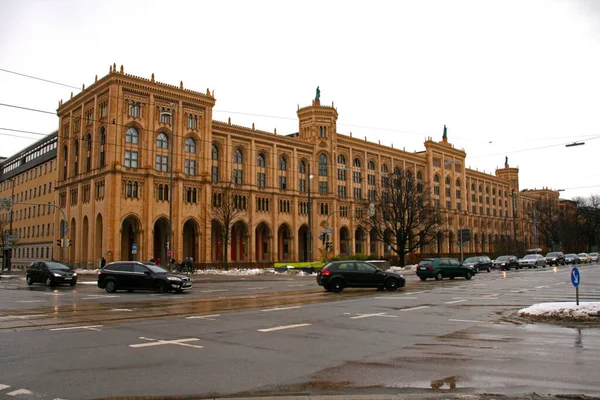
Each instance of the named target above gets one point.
<point>135,156</point>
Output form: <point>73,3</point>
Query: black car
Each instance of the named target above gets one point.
<point>555,258</point>
<point>50,273</point>
<point>505,263</point>
<point>136,275</point>
<point>479,263</point>
<point>337,275</point>
<point>440,268</point>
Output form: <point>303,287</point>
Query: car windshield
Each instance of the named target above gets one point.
<point>426,262</point>
<point>156,268</point>
<point>54,266</point>
<point>571,255</point>
<point>503,258</point>
<point>530,257</point>
<point>552,255</point>
<point>472,260</point>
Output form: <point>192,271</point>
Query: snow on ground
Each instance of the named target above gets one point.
<point>566,310</point>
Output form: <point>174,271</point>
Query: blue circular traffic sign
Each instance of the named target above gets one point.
<point>575,278</point>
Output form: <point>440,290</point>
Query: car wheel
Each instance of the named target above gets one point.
<point>29,280</point>
<point>48,281</point>
<point>162,287</point>
<point>111,286</point>
<point>439,276</point>
<point>488,269</point>
<point>336,286</point>
<point>423,278</point>
<point>468,275</point>
<point>391,284</point>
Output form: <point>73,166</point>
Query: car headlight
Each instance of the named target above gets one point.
<point>57,275</point>
<point>74,273</point>
<point>174,278</point>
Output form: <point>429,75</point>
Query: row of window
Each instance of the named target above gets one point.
<point>31,155</point>
<point>34,231</point>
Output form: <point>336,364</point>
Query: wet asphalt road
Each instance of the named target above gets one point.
<point>445,337</point>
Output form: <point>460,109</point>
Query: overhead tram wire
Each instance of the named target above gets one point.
<point>285,118</point>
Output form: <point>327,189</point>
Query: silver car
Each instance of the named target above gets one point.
<point>533,261</point>
<point>594,257</point>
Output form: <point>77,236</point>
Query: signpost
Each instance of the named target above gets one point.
<point>134,248</point>
<point>575,279</point>
<point>464,235</point>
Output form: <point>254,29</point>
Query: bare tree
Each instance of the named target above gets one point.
<point>405,218</point>
<point>228,206</point>
<point>546,214</point>
<point>588,217</point>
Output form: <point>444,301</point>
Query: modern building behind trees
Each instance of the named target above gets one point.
<point>133,156</point>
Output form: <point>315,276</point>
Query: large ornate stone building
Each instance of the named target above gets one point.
<point>118,138</point>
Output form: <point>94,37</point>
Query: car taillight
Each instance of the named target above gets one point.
<point>430,268</point>
<point>325,272</point>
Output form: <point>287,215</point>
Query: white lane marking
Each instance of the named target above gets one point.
<point>30,301</point>
<point>455,301</point>
<point>297,285</point>
<point>541,287</point>
<point>90,327</point>
<point>464,320</point>
<point>53,294</point>
<point>414,308</point>
<point>2,387</point>
<point>280,308</point>
<point>395,298</point>
<point>489,296</point>
<point>87,283</point>
<point>159,342</point>
<point>120,309</point>
<point>19,392</point>
<point>279,328</point>
<point>368,315</point>
<point>479,284</point>
<point>209,317</point>
<point>410,293</point>
<point>216,290</point>
<point>518,291</point>
<point>104,296</point>
<point>560,283</point>
<point>256,288</point>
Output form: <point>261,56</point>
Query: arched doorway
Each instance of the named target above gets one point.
<point>98,251</point>
<point>344,242</point>
<point>217,246</point>
<point>303,244</point>
<point>130,234</point>
<point>190,242</point>
<point>85,232</point>
<point>73,236</point>
<point>359,241</point>
<point>373,243</point>
<point>261,242</point>
<point>283,243</point>
<point>239,236</point>
<point>161,237</point>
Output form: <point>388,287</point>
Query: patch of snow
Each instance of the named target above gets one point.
<point>566,310</point>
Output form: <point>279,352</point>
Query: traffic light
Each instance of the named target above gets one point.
<point>328,245</point>
<point>59,242</point>
<point>69,242</point>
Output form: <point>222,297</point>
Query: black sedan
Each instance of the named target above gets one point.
<point>50,273</point>
<point>337,275</point>
<point>505,263</point>
<point>479,263</point>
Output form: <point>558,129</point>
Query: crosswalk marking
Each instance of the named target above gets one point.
<point>279,328</point>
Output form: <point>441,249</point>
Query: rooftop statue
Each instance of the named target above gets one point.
<point>318,96</point>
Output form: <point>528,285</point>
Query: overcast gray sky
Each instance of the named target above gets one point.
<point>509,78</point>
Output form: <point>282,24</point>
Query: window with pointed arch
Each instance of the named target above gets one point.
<point>238,168</point>
<point>458,193</point>
<point>190,145</point>
<point>371,179</point>
<point>261,173</point>
<point>161,141</point>
<point>135,109</point>
<point>436,186</point>
<point>76,154</point>
<point>322,165</point>
<point>302,178</point>
<point>132,136</point>
<point>214,172</point>
<point>102,160</point>
<point>357,173</point>
<point>88,155</point>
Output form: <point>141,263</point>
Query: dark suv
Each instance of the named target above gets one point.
<point>479,263</point>
<point>136,275</point>
<point>337,275</point>
<point>440,268</point>
<point>555,258</point>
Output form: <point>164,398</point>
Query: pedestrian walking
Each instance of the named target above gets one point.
<point>102,262</point>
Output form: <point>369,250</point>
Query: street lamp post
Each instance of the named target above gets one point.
<point>10,226</point>
<point>170,241</point>
<point>309,216</point>
<point>514,201</point>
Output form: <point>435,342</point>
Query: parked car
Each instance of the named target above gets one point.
<point>440,268</point>
<point>50,273</point>
<point>136,275</point>
<point>532,261</point>
<point>337,275</point>
<point>555,258</point>
<point>479,263</point>
<point>572,258</point>
<point>505,263</point>
<point>585,258</point>
<point>594,257</point>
